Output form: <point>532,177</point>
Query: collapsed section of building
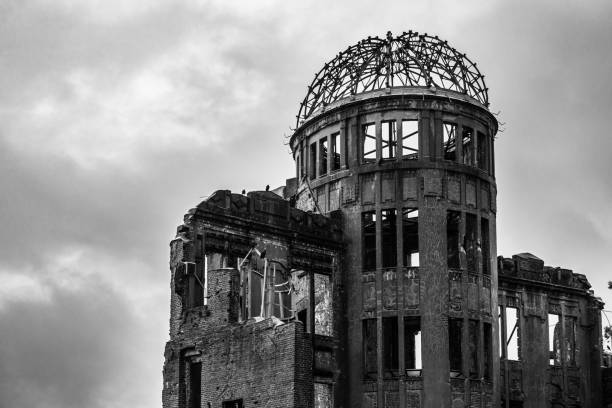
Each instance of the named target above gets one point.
<point>372,278</point>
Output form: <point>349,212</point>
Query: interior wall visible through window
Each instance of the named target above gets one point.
<point>389,238</point>
<point>368,232</point>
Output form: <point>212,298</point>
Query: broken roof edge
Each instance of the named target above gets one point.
<point>264,208</point>
<point>529,267</point>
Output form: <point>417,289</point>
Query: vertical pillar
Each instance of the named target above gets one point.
<point>434,316</point>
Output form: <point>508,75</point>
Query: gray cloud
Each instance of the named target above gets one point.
<point>115,119</point>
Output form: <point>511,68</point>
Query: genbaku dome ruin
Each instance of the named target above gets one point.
<point>372,279</point>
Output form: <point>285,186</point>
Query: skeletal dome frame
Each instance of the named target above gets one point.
<point>408,60</point>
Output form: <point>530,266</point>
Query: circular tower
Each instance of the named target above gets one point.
<point>396,136</point>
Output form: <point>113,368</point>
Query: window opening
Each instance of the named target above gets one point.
<point>323,305</point>
<point>412,343</point>
<point>389,238</point>
<point>389,139</point>
<point>335,153</point>
<point>323,157</point>
<point>488,350</point>
<point>512,334</point>
<point>195,384</point>
<point>410,233</point>
<point>453,220</point>
<point>312,166</point>
<point>483,149</point>
<point>368,143</point>
<point>302,164</point>
<point>195,273</point>
<point>390,344</point>
<point>449,131</point>
<point>470,241</point>
<point>570,340</point>
<point>410,139</point>
<point>454,343</point>
<point>298,165</point>
<point>484,233</point>
<point>323,393</point>
<point>369,348</point>
<point>237,403</point>
<point>473,344</point>
<point>468,146</point>
<point>554,336</point>
<point>368,228</point>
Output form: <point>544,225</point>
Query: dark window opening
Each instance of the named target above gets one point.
<point>302,316</point>
<point>450,141</point>
<point>483,150</point>
<point>368,143</point>
<point>195,385</point>
<point>237,403</point>
<point>298,166</point>
<point>410,139</point>
<point>389,139</point>
<point>488,350</point>
<point>390,344</point>
<point>195,273</point>
<point>412,343</point>
<point>484,233</point>
<point>335,153</point>
<point>454,343</point>
<point>473,345</point>
<point>470,242</point>
<point>368,228</point>
<point>389,238</point>
<point>323,157</point>
<point>410,234</point>
<point>453,220</point>
<point>302,164</point>
<point>369,348</point>
<point>468,146</point>
<point>312,165</point>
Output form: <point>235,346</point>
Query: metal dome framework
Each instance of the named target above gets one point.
<point>408,60</point>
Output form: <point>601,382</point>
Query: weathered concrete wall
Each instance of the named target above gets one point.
<point>607,387</point>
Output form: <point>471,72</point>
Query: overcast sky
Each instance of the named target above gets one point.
<point>115,119</point>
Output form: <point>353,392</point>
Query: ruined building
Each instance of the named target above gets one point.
<point>372,278</point>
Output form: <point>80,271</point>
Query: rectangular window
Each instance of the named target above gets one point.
<point>312,165</point>
<point>390,344</point>
<point>302,163</point>
<point>368,229</point>
<point>488,350</point>
<point>195,384</point>
<point>237,403</point>
<point>483,151</point>
<point>474,346</point>
<point>449,131</point>
<point>470,241</point>
<point>513,332</point>
<point>323,157</point>
<point>323,395</point>
<point>453,220</point>
<point>468,145</point>
<point>195,284</point>
<point>298,165</point>
<point>389,139</point>
<point>484,233</point>
<point>410,139</point>
<point>554,337</point>
<point>410,234</point>
<point>368,143</point>
<point>369,340</point>
<point>323,313</point>
<point>454,343</point>
<point>335,153</point>
<point>389,238</point>
<point>412,343</point>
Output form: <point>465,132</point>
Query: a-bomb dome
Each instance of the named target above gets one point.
<point>408,60</point>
